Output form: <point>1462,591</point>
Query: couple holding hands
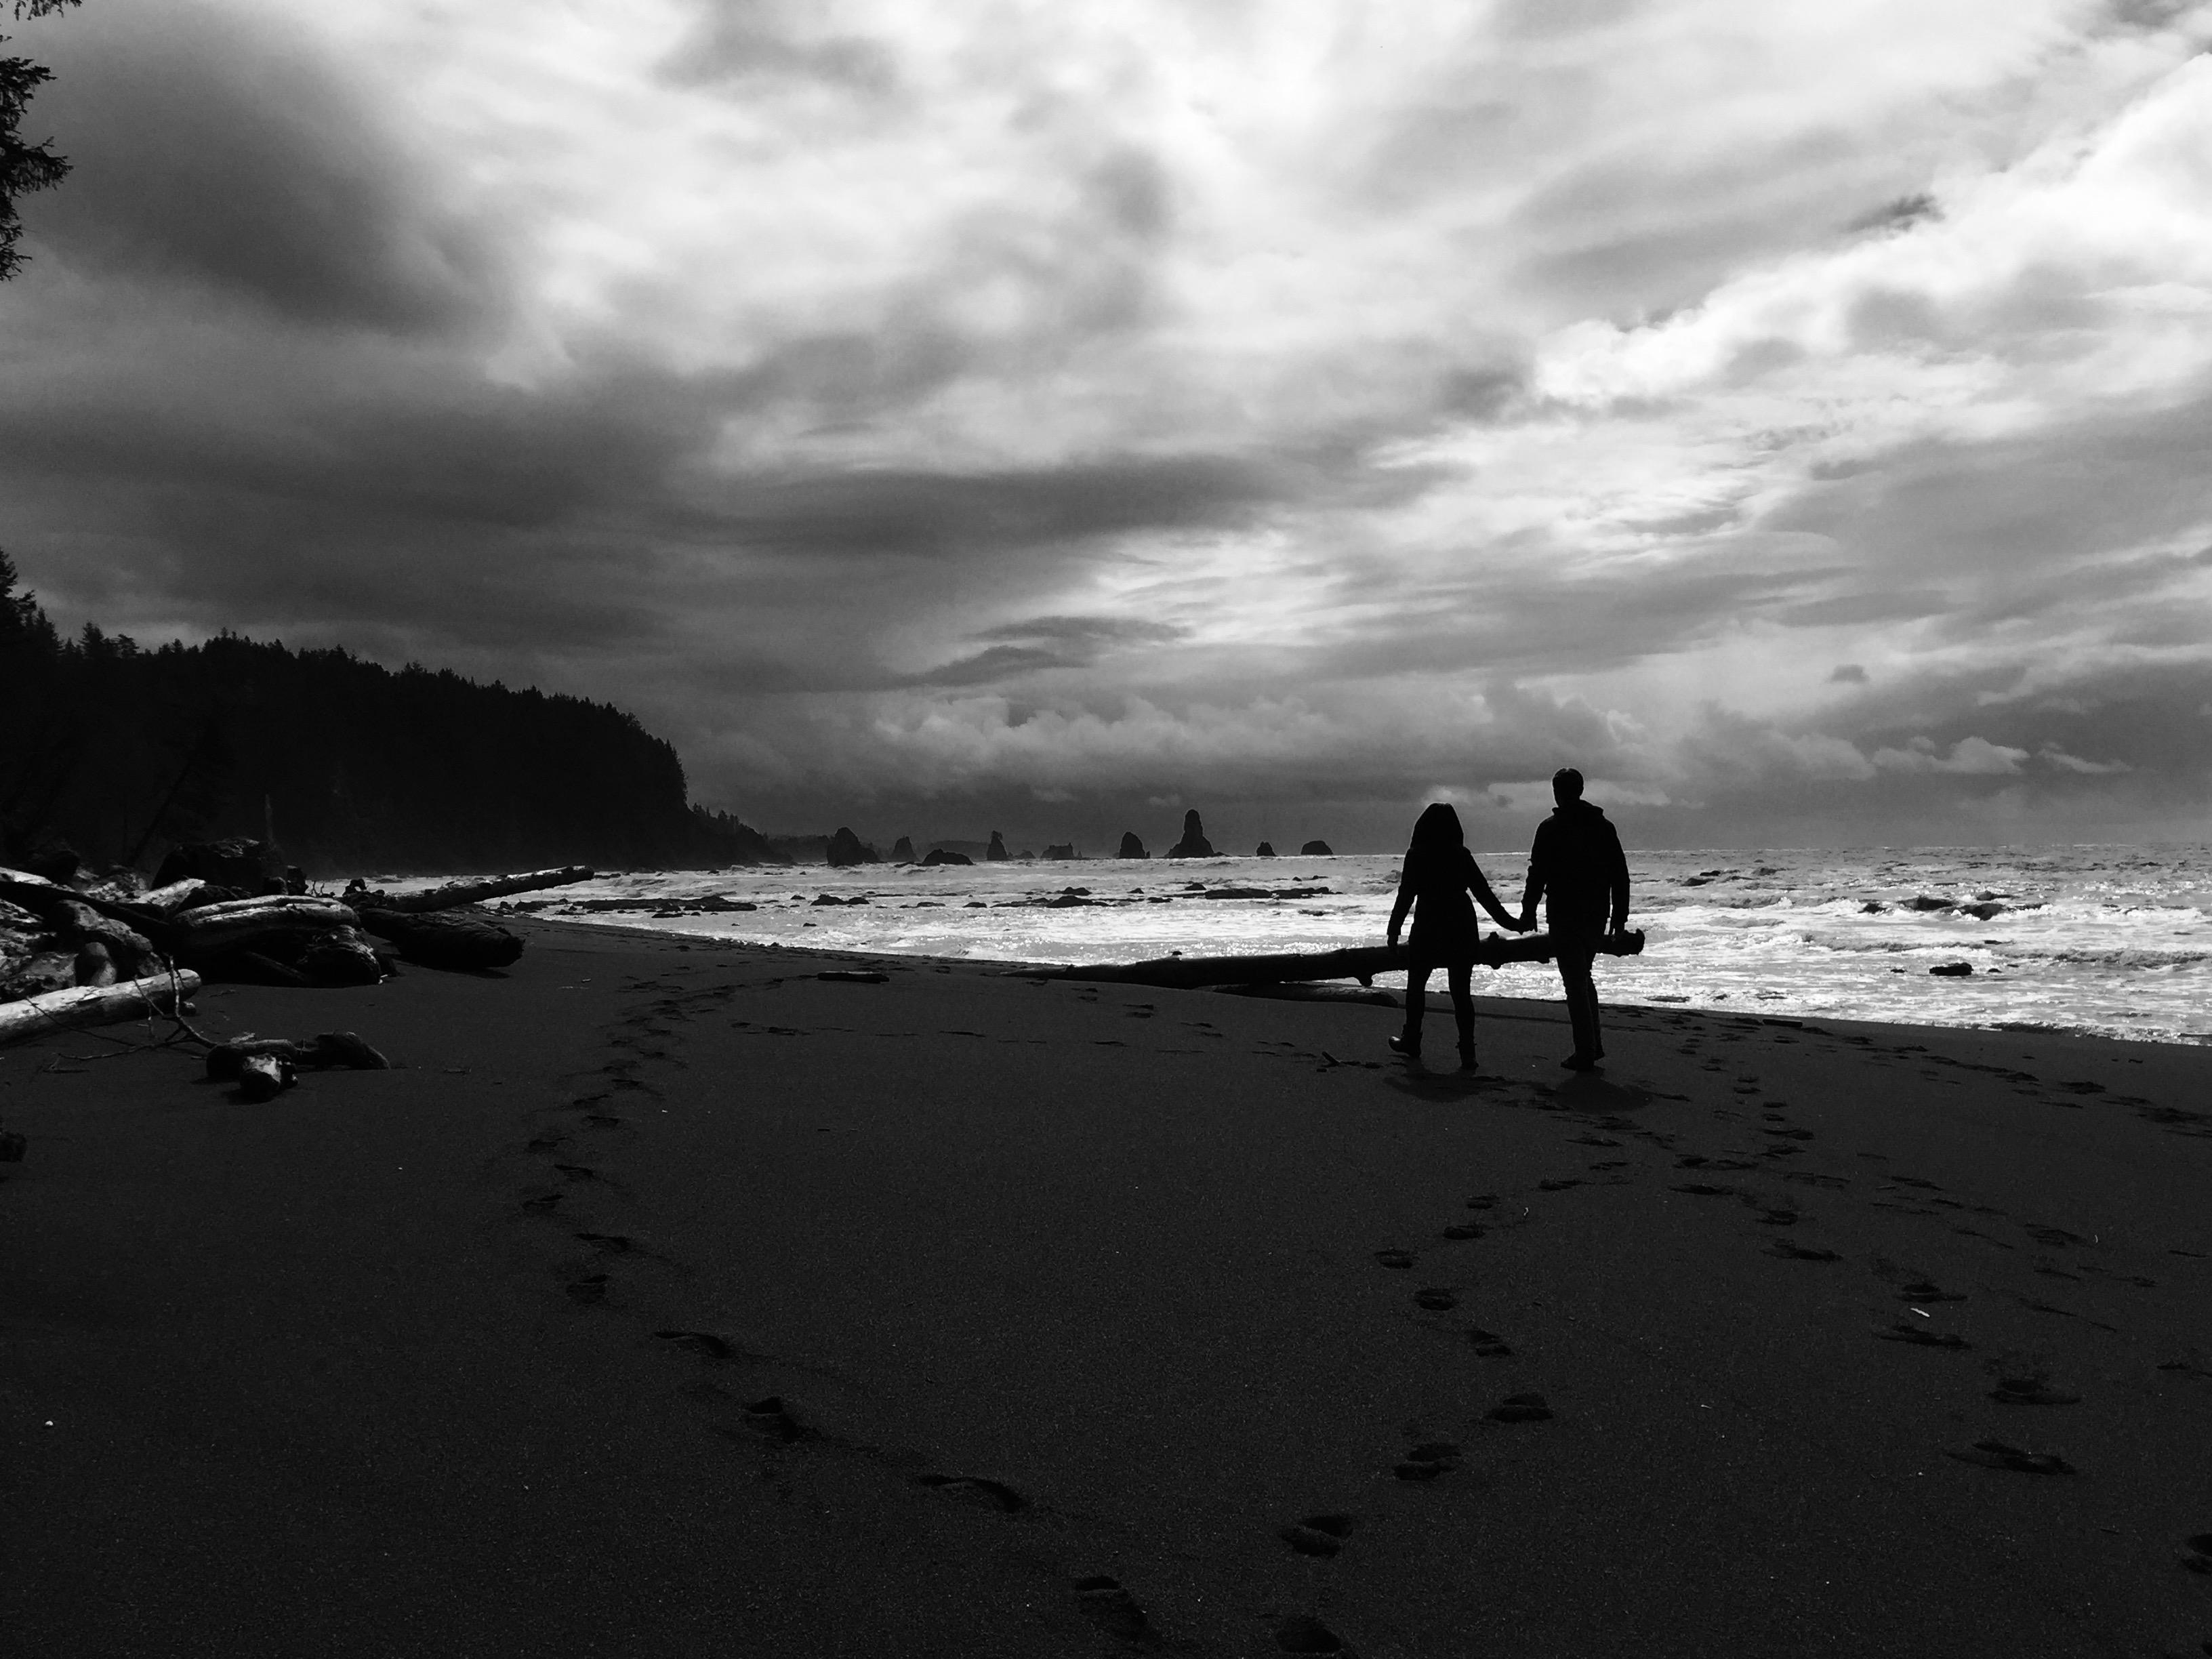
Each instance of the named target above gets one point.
<point>1575,866</point>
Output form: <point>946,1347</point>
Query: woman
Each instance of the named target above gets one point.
<point>1439,875</point>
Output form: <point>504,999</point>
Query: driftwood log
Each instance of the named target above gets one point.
<point>477,889</point>
<point>1361,962</point>
<point>94,1004</point>
<point>252,924</point>
<point>441,940</point>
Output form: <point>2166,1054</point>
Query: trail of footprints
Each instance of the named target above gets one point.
<point>777,1423</point>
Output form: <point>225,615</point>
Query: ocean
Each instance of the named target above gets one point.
<point>2109,939</point>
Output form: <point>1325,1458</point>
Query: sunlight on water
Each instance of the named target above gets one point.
<point>2114,940</point>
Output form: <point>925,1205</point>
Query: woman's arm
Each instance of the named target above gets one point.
<point>1405,900</point>
<point>1480,887</point>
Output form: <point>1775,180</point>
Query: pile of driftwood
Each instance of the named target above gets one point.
<point>84,953</point>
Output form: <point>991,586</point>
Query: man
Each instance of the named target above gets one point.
<point>1577,868</point>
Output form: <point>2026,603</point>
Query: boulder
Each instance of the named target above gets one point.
<point>902,853</point>
<point>1316,849</point>
<point>57,861</point>
<point>844,848</point>
<point>1193,844</point>
<point>997,853</point>
<point>1131,847</point>
<point>1265,849</point>
<point>938,855</point>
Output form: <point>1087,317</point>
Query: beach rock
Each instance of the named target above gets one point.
<point>248,866</point>
<point>1316,849</point>
<point>1265,849</point>
<point>1953,969</point>
<point>903,851</point>
<point>938,855</point>
<point>39,973</point>
<point>1193,844</point>
<point>1065,850</point>
<point>1921,901</point>
<point>997,853</point>
<point>1131,847</point>
<point>1984,912</point>
<point>95,963</point>
<point>844,848</point>
<point>1872,908</point>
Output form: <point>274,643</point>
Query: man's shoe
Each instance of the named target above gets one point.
<point>1580,1063</point>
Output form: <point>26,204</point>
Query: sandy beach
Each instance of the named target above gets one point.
<point>671,1299</point>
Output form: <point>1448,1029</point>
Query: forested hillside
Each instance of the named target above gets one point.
<point>121,752</point>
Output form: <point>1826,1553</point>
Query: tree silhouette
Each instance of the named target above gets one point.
<point>23,167</point>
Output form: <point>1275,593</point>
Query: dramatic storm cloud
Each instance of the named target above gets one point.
<point>945,417</point>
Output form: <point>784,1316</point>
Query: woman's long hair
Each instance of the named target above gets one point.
<point>1437,830</point>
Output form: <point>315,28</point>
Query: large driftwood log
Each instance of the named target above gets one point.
<point>44,898</point>
<point>252,923</point>
<point>477,889</point>
<point>93,1004</point>
<point>439,940</point>
<point>1361,962</point>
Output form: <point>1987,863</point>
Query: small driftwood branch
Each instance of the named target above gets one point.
<point>1361,962</point>
<point>94,1004</point>
<point>477,889</point>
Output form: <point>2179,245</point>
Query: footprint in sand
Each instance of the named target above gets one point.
<point>1920,1337</point>
<point>542,1203</point>
<point>1488,1344</point>
<point>1996,1455</point>
<point>1436,1299</point>
<point>1559,1183</point>
<point>1465,1230</point>
<point>1789,1252</point>
<point>1922,1290</point>
<point>2196,1554</point>
<point>974,1489</point>
<point>1317,1535</point>
<point>547,1144</point>
<point>1398,1259</point>
<point>1113,1610</point>
<point>1483,1201</point>
<point>1520,1408</point>
<point>1427,1461</point>
<point>606,1243</point>
<point>1704,1189</point>
<point>590,1288</point>
<point>705,1344</point>
<point>1304,1634</point>
<point>2031,1391</point>
<point>601,1121</point>
<point>577,1171</point>
<point>771,1420</point>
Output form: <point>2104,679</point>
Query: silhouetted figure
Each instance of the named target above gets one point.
<point>1577,867</point>
<point>1440,874</point>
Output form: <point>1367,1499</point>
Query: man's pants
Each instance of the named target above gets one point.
<point>1574,953</point>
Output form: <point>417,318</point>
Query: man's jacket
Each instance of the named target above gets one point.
<point>1577,864</point>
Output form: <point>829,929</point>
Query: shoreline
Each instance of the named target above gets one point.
<point>1052,1282</point>
<point>1437,1000</point>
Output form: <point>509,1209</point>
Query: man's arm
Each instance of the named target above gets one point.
<point>1539,876</point>
<point>1616,879</point>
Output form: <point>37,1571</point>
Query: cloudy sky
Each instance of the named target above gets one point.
<point>1048,417</point>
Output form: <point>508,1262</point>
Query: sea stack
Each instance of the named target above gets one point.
<point>1316,849</point>
<point>1193,844</point>
<point>904,852</point>
<point>996,852</point>
<point>937,855</point>
<point>1131,847</point>
<point>1265,849</point>
<point>844,848</point>
<point>1063,851</point>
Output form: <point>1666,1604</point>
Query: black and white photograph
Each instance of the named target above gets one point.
<point>1027,829</point>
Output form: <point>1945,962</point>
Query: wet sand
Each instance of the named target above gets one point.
<point>673,1300</point>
